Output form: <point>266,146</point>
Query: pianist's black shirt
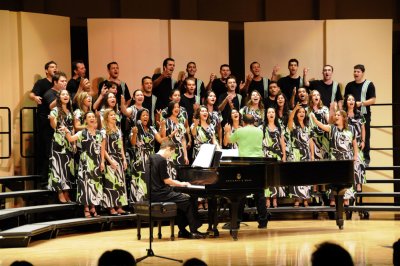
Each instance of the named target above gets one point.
<point>159,190</point>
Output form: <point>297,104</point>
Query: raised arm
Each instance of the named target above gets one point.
<point>325,128</point>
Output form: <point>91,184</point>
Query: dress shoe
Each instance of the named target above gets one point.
<point>198,235</point>
<point>262,224</point>
<point>184,234</point>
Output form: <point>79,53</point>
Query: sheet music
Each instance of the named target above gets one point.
<point>197,186</point>
<point>205,156</point>
<point>230,153</point>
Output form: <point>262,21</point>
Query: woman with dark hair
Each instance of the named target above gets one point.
<point>302,148</point>
<point>210,101</point>
<point>90,178</point>
<point>282,113</point>
<point>357,125</point>
<point>142,139</point>
<point>110,102</point>
<point>61,170</point>
<point>255,107</point>
<point>202,129</point>
<point>175,96</point>
<point>114,184</point>
<point>131,112</point>
<point>235,122</point>
<point>176,130</point>
<point>343,144</point>
<point>321,112</point>
<point>274,147</point>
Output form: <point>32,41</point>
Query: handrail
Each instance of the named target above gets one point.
<point>21,146</point>
<point>8,132</point>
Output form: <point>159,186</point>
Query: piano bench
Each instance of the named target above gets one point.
<point>160,211</point>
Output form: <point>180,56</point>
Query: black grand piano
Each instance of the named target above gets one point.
<point>236,177</point>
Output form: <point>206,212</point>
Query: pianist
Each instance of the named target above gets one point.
<point>249,140</point>
<point>161,191</point>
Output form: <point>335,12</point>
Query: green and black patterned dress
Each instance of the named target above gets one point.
<point>61,170</point>
<point>300,146</point>
<point>320,137</point>
<point>90,179</point>
<point>203,136</point>
<point>256,113</point>
<point>272,149</point>
<point>144,147</point>
<point>178,156</point>
<point>215,120</point>
<point>341,148</point>
<point>355,124</point>
<point>114,186</point>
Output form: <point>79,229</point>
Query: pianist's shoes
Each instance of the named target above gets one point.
<point>194,235</point>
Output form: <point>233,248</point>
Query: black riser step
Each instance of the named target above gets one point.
<point>382,181</point>
<point>25,193</point>
<point>378,194</point>
<point>373,208</point>
<point>5,179</point>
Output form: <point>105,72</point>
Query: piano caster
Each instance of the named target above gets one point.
<point>364,215</point>
<point>341,227</point>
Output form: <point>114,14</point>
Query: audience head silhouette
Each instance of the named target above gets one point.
<point>329,254</point>
<point>194,262</point>
<point>21,263</point>
<point>117,257</point>
<point>396,253</point>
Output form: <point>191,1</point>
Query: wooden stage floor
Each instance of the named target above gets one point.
<point>285,242</point>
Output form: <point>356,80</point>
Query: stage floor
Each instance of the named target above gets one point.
<point>285,242</point>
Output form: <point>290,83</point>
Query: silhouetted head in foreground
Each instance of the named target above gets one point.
<point>194,262</point>
<point>329,254</point>
<point>117,257</point>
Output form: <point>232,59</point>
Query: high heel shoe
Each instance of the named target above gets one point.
<point>93,213</point>
<point>87,214</point>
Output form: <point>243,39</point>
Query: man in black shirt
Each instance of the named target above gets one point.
<point>160,183</point>
<point>79,70</point>
<point>164,83</point>
<point>149,98</point>
<point>200,90</point>
<point>219,85</point>
<point>254,81</point>
<point>229,100</point>
<point>122,88</point>
<point>293,80</point>
<point>327,87</point>
<point>270,100</point>
<point>363,91</point>
<point>44,132</point>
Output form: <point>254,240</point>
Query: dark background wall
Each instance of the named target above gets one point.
<point>236,12</point>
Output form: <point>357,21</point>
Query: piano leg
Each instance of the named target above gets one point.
<point>235,202</point>
<point>213,216</point>
<point>339,208</point>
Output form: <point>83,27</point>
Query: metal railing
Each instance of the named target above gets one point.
<point>7,132</point>
<point>23,133</point>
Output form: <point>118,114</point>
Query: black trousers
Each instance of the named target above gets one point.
<point>367,137</point>
<point>259,199</point>
<point>185,215</point>
<point>43,138</point>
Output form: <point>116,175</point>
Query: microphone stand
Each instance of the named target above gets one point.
<point>150,252</point>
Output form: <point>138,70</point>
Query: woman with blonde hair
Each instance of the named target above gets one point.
<point>114,184</point>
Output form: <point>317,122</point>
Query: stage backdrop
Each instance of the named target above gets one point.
<point>343,44</point>
<point>140,45</point>
<point>29,41</point>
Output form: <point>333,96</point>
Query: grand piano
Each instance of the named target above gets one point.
<point>236,177</point>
